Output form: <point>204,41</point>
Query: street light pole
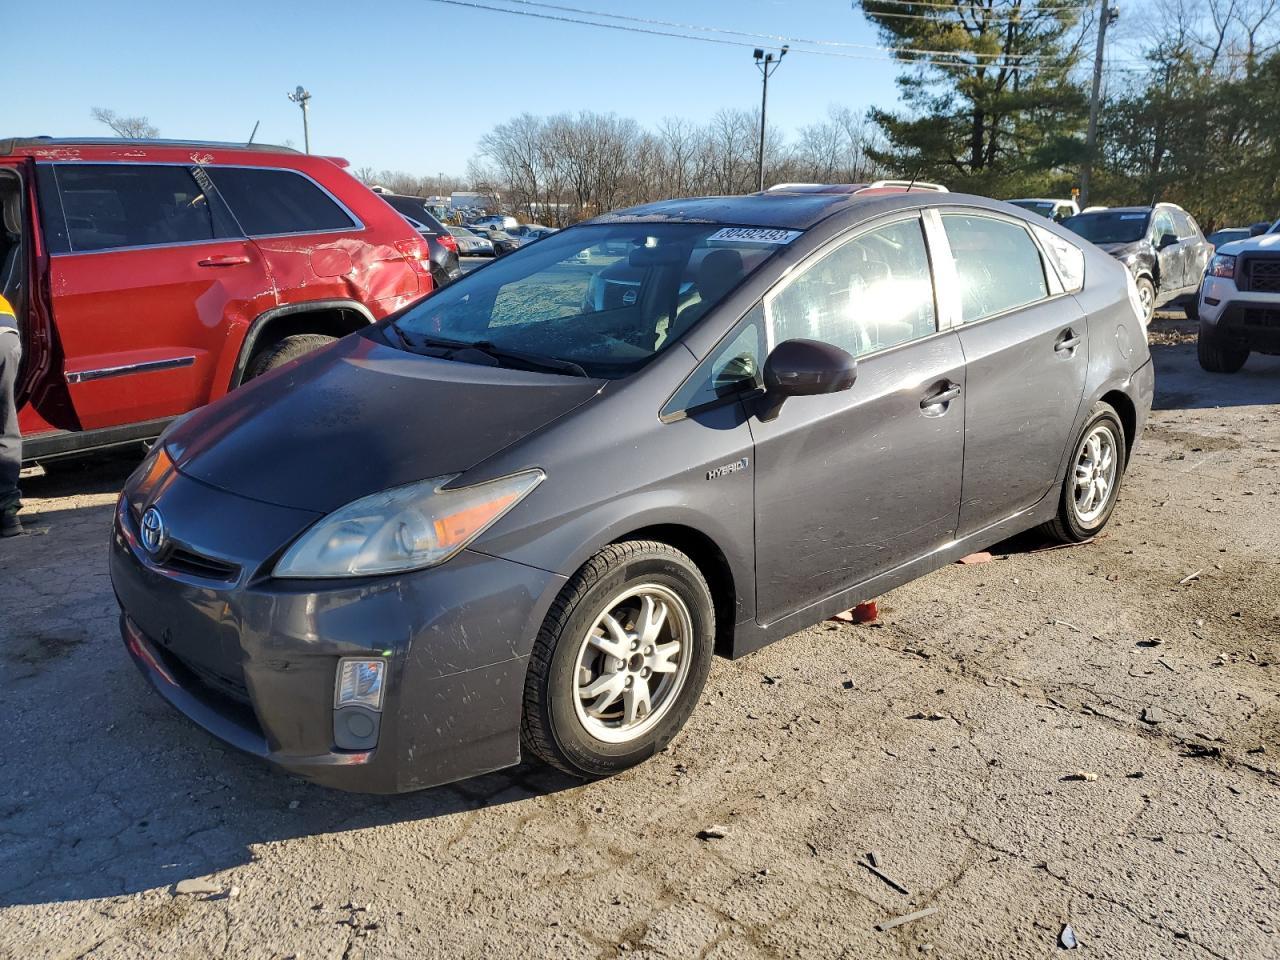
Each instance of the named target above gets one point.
<point>767,65</point>
<point>301,97</point>
<point>1108,16</point>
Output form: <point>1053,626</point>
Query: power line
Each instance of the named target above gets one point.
<point>756,37</point>
<point>1012,11</point>
<point>902,55</point>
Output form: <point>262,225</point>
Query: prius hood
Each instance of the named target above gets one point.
<point>359,417</point>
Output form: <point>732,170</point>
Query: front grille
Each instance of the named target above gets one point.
<point>198,565</point>
<point>1264,275</point>
<point>1262,317</point>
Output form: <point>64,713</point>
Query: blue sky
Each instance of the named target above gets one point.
<point>410,84</point>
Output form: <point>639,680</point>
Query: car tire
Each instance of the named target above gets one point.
<point>280,353</point>
<point>1080,518</point>
<point>591,738</point>
<point>1147,294</point>
<point>1192,307</point>
<point>1218,355</point>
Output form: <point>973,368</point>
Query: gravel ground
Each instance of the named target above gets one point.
<point>1087,736</point>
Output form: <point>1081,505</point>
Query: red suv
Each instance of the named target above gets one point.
<point>151,277</point>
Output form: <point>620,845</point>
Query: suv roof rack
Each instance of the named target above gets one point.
<point>10,144</point>
<point>886,186</point>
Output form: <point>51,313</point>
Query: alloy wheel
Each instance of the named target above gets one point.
<point>1095,474</point>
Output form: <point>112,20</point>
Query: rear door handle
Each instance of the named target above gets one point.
<point>1067,342</point>
<point>223,260</point>
<point>938,398</point>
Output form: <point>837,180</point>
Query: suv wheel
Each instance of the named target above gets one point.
<point>1147,297</point>
<point>1217,354</point>
<point>621,660</point>
<point>1092,483</point>
<point>290,348</point>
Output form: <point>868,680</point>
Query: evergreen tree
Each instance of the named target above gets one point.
<point>992,107</point>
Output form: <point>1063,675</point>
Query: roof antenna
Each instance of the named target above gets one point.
<point>254,134</point>
<point>914,177</point>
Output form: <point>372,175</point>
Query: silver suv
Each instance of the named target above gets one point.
<point>1240,302</point>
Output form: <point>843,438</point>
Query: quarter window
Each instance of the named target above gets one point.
<point>872,292</point>
<point>997,265</point>
<point>1066,258</point>
<point>108,206</point>
<point>733,368</point>
<point>268,202</point>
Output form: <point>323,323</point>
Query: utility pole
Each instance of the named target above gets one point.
<point>301,97</point>
<point>767,65</point>
<point>1108,16</point>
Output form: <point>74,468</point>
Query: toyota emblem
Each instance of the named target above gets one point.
<point>153,532</point>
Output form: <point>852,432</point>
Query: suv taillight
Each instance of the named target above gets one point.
<point>448,241</point>
<point>418,254</point>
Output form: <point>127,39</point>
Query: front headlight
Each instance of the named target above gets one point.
<point>1223,265</point>
<point>407,528</point>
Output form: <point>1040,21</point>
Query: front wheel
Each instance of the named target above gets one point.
<point>1146,297</point>
<point>280,353</point>
<point>621,660</point>
<point>1217,354</point>
<point>1092,483</point>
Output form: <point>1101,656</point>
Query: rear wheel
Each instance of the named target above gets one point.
<point>280,353</point>
<point>1092,483</point>
<point>1217,354</point>
<point>620,661</point>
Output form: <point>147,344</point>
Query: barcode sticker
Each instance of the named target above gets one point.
<point>755,234</point>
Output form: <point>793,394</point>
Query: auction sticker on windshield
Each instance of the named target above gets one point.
<point>755,234</point>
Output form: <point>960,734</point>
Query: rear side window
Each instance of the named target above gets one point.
<point>997,264</point>
<point>1067,259</point>
<point>269,202</point>
<point>870,293</point>
<point>110,206</point>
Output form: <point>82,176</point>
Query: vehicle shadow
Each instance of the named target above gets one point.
<point>1182,385</point>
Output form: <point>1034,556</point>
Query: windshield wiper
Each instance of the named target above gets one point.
<point>535,360</point>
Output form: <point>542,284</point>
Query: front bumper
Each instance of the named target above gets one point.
<point>253,661</point>
<point>1249,318</point>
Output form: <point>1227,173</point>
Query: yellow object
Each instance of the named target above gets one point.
<point>6,307</point>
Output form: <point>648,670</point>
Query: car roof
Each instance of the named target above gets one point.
<point>793,211</point>
<point>27,145</point>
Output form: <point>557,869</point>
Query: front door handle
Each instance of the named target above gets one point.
<point>223,260</point>
<point>944,395</point>
<point>1067,341</point>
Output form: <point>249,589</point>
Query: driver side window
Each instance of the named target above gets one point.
<point>869,293</point>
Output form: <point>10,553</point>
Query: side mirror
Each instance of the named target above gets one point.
<point>1167,241</point>
<point>1258,229</point>
<point>804,368</point>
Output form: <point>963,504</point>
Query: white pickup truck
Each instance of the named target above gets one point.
<point>1240,302</point>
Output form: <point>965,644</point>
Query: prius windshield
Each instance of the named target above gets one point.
<point>598,301</point>
<point>1113,226</point>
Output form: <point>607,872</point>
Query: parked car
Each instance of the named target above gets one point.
<point>1227,235</point>
<point>537,233</point>
<point>151,277</point>
<point>472,244</point>
<point>444,248</point>
<point>1240,303</point>
<point>1161,245</point>
<point>1047,207</point>
<point>503,242</point>
<point>495,221</point>
<point>324,571</point>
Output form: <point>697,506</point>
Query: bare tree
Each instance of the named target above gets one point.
<point>131,128</point>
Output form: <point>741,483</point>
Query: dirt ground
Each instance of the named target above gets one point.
<point>1087,736</point>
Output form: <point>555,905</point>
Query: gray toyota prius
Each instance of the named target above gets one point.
<point>522,514</point>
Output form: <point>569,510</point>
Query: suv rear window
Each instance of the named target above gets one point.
<point>113,205</point>
<point>269,202</point>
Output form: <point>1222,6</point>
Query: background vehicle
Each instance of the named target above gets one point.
<point>527,236</point>
<point>1161,245</point>
<point>1227,235</point>
<point>177,270</point>
<point>471,244</point>
<point>443,246</point>
<point>1053,209</point>
<point>804,417</point>
<point>503,242</point>
<point>1240,303</point>
<point>496,221</point>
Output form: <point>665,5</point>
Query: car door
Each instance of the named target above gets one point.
<point>1194,249</point>
<point>145,266</point>
<point>1170,258</point>
<point>852,484</point>
<point>1026,350</point>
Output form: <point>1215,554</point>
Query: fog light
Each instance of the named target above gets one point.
<point>360,683</point>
